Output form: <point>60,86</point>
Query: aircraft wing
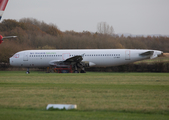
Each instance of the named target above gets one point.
<point>77,58</point>
<point>74,59</point>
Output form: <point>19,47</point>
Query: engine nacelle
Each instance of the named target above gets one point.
<point>88,64</point>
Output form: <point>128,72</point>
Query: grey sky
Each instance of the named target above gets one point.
<point>126,16</point>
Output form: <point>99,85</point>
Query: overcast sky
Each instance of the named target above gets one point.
<point>126,16</point>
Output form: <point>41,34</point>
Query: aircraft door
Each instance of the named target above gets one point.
<point>127,55</point>
<point>25,56</point>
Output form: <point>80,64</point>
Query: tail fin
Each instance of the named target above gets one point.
<point>3,4</point>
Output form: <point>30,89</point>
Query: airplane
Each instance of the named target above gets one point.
<point>80,58</point>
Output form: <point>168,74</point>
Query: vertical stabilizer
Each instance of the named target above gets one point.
<point>3,4</point>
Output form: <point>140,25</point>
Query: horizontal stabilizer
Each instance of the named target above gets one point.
<point>9,37</point>
<point>151,54</point>
<point>148,53</point>
<point>1,38</point>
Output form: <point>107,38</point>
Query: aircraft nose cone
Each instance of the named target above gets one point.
<point>160,53</point>
<point>11,61</point>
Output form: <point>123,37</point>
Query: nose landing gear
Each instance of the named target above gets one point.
<point>27,72</point>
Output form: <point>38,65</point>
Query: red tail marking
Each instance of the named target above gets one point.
<point>1,39</point>
<point>3,4</point>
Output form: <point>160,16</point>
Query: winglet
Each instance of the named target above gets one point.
<point>3,4</point>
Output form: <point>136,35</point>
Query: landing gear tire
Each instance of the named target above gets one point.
<point>76,71</point>
<point>27,72</point>
<point>82,71</point>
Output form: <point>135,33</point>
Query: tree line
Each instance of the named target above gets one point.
<point>34,34</point>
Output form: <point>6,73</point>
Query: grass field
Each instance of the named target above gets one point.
<point>105,96</point>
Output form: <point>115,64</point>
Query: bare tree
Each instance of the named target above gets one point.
<point>104,28</point>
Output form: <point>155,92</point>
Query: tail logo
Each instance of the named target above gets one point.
<point>3,4</point>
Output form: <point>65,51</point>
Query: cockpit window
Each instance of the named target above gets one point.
<point>16,56</point>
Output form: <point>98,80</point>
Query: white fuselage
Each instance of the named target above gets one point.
<point>98,57</point>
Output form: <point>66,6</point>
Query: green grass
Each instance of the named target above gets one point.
<point>97,95</point>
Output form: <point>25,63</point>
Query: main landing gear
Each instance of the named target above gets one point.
<point>83,71</point>
<point>81,67</point>
<point>27,72</point>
